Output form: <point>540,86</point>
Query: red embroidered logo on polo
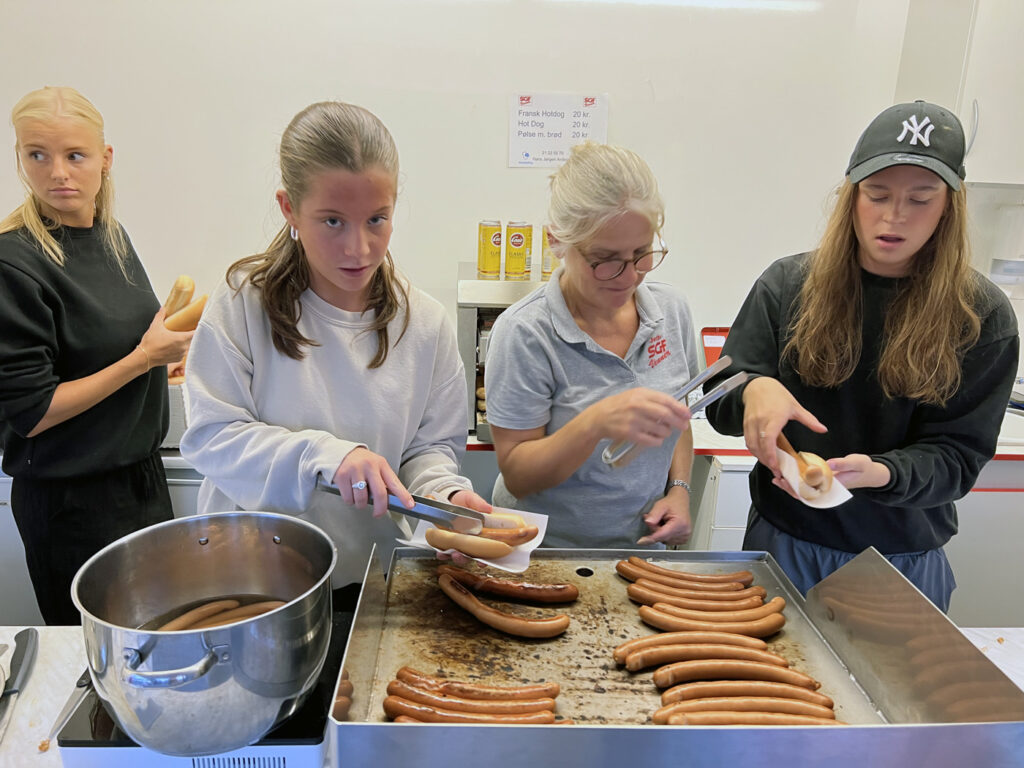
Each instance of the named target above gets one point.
<point>657,350</point>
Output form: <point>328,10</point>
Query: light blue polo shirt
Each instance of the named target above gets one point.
<point>543,370</point>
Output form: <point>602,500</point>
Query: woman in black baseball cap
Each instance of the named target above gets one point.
<point>882,351</point>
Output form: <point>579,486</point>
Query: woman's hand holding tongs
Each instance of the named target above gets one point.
<point>364,475</point>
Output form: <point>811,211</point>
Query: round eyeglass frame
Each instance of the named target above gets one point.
<point>659,255</point>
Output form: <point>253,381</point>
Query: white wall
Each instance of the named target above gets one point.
<point>747,115</point>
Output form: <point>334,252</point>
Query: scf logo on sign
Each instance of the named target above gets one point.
<point>589,101</point>
<point>657,350</point>
<point>524,100</point>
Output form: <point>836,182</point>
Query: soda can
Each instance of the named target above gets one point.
<point>518,244</point>
<point>488,250</point>
<point>547,256</point>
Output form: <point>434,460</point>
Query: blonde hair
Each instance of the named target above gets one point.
<point>324,136</point>
<point>929,325</point>
<point>46,105</point>
<point>598,183</point>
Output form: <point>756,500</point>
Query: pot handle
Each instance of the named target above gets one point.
<point>173,678</point>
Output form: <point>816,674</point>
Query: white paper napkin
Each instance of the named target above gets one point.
<point>517,561</point>
<point>836,495</point>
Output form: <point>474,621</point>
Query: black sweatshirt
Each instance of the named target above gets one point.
<point>63,323</point>
<point>934,454</point>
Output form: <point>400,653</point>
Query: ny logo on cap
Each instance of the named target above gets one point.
<point>912,125</point>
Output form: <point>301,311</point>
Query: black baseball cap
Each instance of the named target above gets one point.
<point>917,133</point>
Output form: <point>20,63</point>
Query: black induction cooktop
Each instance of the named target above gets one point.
<point>91,724</point>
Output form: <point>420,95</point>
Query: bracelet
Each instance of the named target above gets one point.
<point>149,363</point>
<point>680,484</point>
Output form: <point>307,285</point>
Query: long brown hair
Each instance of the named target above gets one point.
<point>928,327</point>
<point>45,105</point>
<point>324,136</point>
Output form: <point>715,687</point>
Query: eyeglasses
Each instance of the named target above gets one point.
<point>609,269</point>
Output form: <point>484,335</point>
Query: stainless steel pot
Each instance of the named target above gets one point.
<point>204,691</point>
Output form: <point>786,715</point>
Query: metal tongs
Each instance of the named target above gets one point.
<point>621,452</point>
<point>458,519</point>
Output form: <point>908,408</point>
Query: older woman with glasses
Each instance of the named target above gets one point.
<point>590,357</point>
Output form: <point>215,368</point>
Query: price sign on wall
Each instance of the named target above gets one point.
<point>543,127</point>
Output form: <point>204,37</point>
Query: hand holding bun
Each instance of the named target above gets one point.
<point>187,318</point>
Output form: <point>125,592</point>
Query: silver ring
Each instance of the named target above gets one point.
<point>360,486</point>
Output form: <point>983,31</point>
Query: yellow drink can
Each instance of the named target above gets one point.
<point>518,244</point>
<point>488,250</point>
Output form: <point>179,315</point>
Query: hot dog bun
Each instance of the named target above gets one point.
<point>474,546</point>
<point>186,319</point>
<point>505,520</point>
<point>180,295</point>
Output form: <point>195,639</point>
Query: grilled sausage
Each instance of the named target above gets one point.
<point>775,605</point>
<point>769,625</point>
<point>730,669</point>
<point>648,596</point>
<point>742,704</point>
<point>474,546</point>
<point>716,688</point>
<point>396,705</point>
<point>666,654</point>
<point>632,573</point>
<point>499,620</point>
<point>406,719</point>
<point>467,690</point>
<point>511,536</point>
<point>485,706</point>
<point>748,718</point>
<point>746,578</point>
<point>702,594</point>
<point>675,638</point>
<point>518,590</point>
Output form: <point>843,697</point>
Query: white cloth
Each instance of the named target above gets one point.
<point>262,426</point>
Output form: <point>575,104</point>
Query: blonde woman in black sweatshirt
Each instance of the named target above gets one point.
<point>83,354</point>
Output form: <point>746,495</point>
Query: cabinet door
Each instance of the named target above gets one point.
<point>17,599</point>
<point>985,557</point>
<point>734,493</point>
<point>995,69</point>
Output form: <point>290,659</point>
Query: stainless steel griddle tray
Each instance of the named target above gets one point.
<point>611,706</point>
<point>422,628</point>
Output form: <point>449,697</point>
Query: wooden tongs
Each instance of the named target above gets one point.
<point>815,474</point>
